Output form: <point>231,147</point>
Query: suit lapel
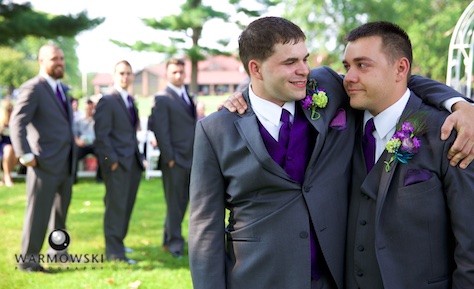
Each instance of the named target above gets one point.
<point>122,104</point>
<point>178,98</point>
<point>385,177</point>
<point>53,95</point>
<point>248,128</point>
<point>321,126</point>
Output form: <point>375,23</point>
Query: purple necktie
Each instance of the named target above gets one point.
<point>133,117</point>
<point>285,129</point>
<point>60,97</point>
<point>187,101</point>
<point>368,144</point>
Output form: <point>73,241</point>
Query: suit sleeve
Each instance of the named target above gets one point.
<point>432,92</point>
<point>207,214</point>
<point>103,118</point>
<point>458,187</point>
<point>161,127</point>
<point>22,115</point>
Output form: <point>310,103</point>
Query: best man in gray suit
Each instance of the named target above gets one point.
<point>410,217</point>
<point>116,121</point>
<point>42,137</point>
<point>173,120</point>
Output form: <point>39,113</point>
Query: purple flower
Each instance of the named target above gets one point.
<point>407,127</point>
<point>307,101</point>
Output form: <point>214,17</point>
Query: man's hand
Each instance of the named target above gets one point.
<point>114,166</point>
<point>80,142</point>
<point>462,119</point>
<point>33,163</point>
<point>235,102</point>
<point>171,164</point>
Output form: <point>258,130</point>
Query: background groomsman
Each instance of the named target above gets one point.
<point>173,120</point>
<point>116,121</point>
<point>42,137</point>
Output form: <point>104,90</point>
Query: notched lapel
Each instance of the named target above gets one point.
<point>247,126</point>
<point>385,180</point>
<point>53,95</point>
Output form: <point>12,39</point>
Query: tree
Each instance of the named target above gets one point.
<point>15,70</point>
<point>19,20</point>
<point>26,30</point>
<point>188,25</point>
<point>429,23</point>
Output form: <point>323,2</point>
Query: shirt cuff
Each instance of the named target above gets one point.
<point>448,104</point>
<point>26,158</point>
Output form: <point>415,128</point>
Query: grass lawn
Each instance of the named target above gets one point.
<point>156,269</point>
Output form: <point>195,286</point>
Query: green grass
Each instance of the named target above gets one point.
<point>156,269</point>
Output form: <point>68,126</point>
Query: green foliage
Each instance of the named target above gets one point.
<point>15,70</point>
<point>20,20</point>
<point>429,24</point>
<point>185,31</point>
<point>25,30</point>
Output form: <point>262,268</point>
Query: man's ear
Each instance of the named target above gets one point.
<point>403,68</point>
<point>255,69</point>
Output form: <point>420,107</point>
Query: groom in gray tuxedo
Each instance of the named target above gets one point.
<point>42,137</point>
<point>410,217</point>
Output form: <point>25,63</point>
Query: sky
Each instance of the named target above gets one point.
<point>123,23</point>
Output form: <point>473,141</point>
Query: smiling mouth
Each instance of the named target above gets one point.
<point>299,83</point>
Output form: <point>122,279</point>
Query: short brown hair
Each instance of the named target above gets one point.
<point>257,41</point>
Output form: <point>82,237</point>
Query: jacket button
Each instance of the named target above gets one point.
<point>303,234</point>
<point>362,222</point>
<point>358,272</point>
<point>307,189</point>
<point>360,248</point>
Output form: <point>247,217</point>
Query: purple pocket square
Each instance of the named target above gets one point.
<point>416,176</point>
<point>339,121</point>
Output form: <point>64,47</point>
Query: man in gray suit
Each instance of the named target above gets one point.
<point>173,120</point>
<point>410,217</point>
<point>42,137</point>
<point>116,121</point>
<point>284,231</point>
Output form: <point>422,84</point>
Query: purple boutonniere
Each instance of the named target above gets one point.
<point>405,143</point>
<point>315,98</point>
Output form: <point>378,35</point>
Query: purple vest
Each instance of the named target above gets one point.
<point>294,161</point>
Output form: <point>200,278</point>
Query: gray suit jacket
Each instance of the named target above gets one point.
<point>40,125</point>
<point>423,213</point>
<point>266,243</point>
<point>174,126</point>
<point>116,137</point>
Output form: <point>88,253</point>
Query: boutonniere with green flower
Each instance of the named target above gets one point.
<point>315,98</point>
<point>405,143</point>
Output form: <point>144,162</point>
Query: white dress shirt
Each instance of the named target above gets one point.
<point>269,113</point>
<point>386,122</point>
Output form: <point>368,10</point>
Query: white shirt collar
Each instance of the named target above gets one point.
<point>178,90</point>
<point>123,94</point>
<point>269,113</point>
<point>386,122</point>
<point>52,82</point>
<point>387,119</point>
